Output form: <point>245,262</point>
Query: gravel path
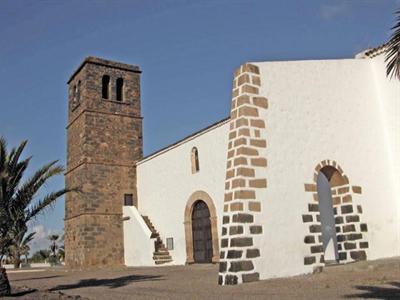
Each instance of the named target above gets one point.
<point>364,280</point>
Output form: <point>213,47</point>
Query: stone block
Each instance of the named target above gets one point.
<point>313,207</point>
<point>358,255</point>
<point>241,242</point>
<point>349,246</point>
<point>347,209</point>
<point>250,277</point>
<point>243,218</point>
<point>363,227</point>
<point>222,266</point>
<point>258,183</point>
<point>254,206</point>
<point>307,218</point>
<point>257,123</point>
<point>309,260</point>
<point>252,253</point>
<point>352,219</point>
<point>256,229</point>
<point>231,279</point>
<point>339,220</point>
<point>315,228</point>
<point>354,236</point>
<point>317,249</point>
<point>243,265</point>
<point>260,102</point>
<point>233,230</point>
<point>234,254</point>
<point>309,239</point>
<point>349,228</point>
<point>357,189</point>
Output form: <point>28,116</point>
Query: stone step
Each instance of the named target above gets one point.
<point>160,253</point>
<point>154,235</point>
<point>162,257</point>
<point>159,262</point>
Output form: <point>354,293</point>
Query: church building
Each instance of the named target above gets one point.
<point>304,172</point>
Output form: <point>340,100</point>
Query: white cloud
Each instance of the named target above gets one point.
<point>331,11</point>
<point>41,240</point>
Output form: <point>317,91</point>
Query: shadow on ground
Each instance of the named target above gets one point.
<point>378,292</point>
<point>21,292</point>
<point>109,282</point>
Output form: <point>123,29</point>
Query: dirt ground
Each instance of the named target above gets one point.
<point>363,280</point>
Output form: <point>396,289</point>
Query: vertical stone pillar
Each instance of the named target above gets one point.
<point>245,180</point>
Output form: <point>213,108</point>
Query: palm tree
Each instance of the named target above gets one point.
<point>20,201</point>
<point>53,246</point>
<point>393,50</point>
<point>53,259</point>
<point>20,247</point>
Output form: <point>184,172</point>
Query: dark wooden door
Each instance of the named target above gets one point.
<point>201,229</point>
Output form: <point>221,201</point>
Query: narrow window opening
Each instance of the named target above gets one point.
<point>120,89</point>
<point>128,200</point>
<point>73,93</point>
<point>195,160</point>
<point>78,92</point>
<point>105,87</point>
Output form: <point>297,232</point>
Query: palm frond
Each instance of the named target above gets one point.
<point>27,191</point>
<point>27,239</point>
<point>15,154</point>
<point>393,51</point>
<point>3,154</point>
<point>44,203</point>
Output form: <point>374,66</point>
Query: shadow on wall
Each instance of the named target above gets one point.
<point>109,282</point>
<point>378,292</point>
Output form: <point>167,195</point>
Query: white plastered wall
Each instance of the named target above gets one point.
<point>165,183</point>
<point>326,110</point>
<point>138,246</point>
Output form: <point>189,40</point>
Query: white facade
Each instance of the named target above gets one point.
<point>331,109</point>
<point>165,183</point>
<point>344,110</point>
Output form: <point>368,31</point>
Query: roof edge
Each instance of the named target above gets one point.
<point>106,63</point>
<point>183,140</point>
<point>372,52</point>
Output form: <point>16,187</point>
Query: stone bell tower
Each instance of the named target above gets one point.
<point>104,141</point>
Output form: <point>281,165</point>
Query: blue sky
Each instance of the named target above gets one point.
<point>187,50</point>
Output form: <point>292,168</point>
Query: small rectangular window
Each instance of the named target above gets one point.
<point>170,243</point>
<point>128,200</point>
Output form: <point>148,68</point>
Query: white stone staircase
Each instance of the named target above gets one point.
<point>161,254</point>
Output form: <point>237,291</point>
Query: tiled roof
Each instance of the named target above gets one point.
<point>372,52</point>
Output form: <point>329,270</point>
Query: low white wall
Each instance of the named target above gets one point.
<point>32,265</point>
<point>138,246</point>
<point>165,183</point>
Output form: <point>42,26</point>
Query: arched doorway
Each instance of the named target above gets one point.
<point>200,209</point>
<point>327,217</point>
<point>201,231</point>
<point>335,231</point>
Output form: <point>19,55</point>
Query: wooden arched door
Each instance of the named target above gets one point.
<point>201,230</point>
